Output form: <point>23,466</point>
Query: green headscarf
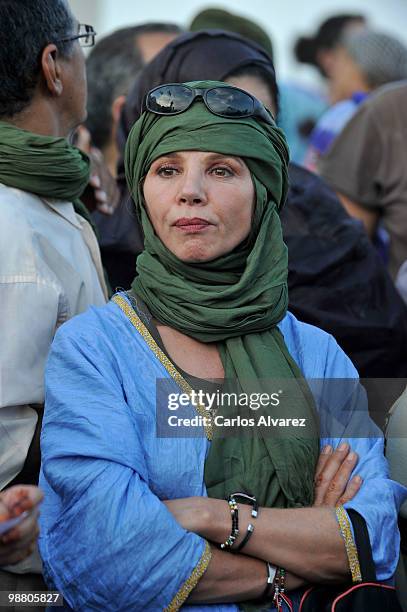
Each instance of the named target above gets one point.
<point>49,167</point>
<point>236,300</point>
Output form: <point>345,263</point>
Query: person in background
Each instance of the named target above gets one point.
<point>401,281</point>
<point>111,67</point>
<point>365,60</point>
<point>18,543</point>
<point>321,50</point>
<point>219,19</point>
<point>366,167</point>
<point>299,107</point>
<point>50,266</point>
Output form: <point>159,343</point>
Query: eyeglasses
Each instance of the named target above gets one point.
<point>227,101</point>
<point>86,35</point>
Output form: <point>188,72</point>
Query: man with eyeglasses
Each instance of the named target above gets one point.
<point>50,267</point>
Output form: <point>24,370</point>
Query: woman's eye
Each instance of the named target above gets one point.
<point>222,171</point>
<point>166,171</point>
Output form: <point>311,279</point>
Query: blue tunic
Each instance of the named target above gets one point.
<point>107,541</point>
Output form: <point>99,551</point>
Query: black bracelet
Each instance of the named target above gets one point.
<point>249,533</point>
<point>249,499</point>
<point>235,524</point>
<point>269,591</point>
<point>250,528</point>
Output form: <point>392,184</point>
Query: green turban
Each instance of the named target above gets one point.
<point>232,306</point>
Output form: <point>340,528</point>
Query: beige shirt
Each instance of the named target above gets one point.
<point>368,163</point>
<point>50,270</point>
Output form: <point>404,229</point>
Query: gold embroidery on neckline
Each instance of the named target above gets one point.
<point>167,363</point>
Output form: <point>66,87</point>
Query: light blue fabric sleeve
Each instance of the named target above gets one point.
<point>343,411</point>
<point>108,543</point>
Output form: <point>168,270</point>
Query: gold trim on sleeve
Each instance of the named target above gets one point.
<point>351,550</point>
<point>191,582</point>
<point>167,363</point>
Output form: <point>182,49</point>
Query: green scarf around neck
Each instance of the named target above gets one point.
<point>46,166</point>
<point>236,300</point>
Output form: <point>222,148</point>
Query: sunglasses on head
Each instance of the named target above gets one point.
<point>227,101</point>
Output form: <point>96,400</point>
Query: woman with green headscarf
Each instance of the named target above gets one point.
<point>143,477</point>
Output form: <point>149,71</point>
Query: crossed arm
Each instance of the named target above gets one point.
<point>162,541</point>
<point>305,541</point>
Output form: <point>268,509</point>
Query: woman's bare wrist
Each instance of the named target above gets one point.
<point>210,518</point>
<point>230,578</point>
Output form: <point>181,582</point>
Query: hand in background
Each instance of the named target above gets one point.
<point>19,542</point>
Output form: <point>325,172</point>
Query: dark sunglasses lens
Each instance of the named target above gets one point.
<point>169,99</point>
<point>230,102</point>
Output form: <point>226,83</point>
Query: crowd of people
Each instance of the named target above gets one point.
<point>158,242</point>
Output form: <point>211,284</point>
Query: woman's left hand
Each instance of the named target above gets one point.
<point>333,483</point>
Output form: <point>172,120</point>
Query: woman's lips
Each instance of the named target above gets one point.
<point>194,225</point>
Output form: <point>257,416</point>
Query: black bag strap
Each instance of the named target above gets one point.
<point>363,546</point>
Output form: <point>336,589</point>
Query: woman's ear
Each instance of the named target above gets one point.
<point>51,70</point>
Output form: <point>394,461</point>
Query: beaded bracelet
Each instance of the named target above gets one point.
<point>250,528</point>
<point>235,524</point>
<point>279,588</point>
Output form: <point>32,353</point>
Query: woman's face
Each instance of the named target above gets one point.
<point>199,203</point>
<point>346,77</point>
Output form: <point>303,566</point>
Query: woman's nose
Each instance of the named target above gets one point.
<point>192,189</point>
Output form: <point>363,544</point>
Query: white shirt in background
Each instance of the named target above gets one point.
<point>50,271</point>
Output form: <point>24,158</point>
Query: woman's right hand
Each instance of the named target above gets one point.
<point>333,485</point>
